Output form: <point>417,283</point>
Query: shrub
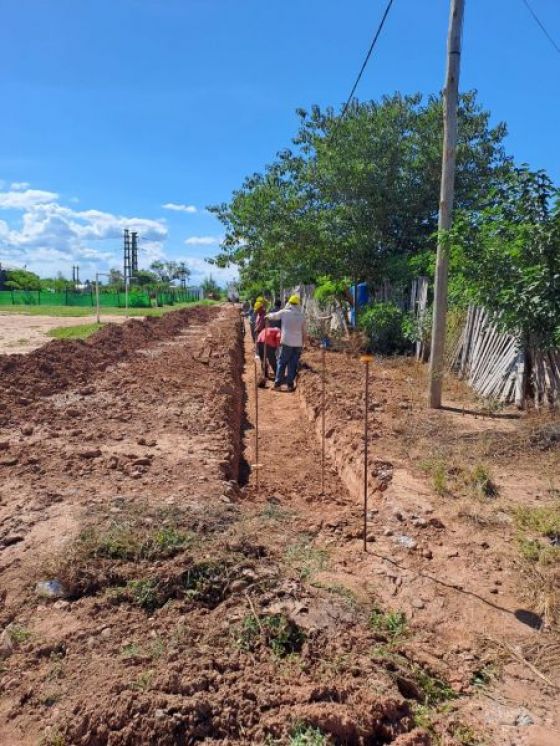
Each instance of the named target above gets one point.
<point>383,323</point>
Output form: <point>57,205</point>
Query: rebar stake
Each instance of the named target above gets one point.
<point>257,463</point>
<point>323,385</point>
<point>366,359</point>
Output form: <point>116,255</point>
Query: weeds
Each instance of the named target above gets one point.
<point>273,512</point>
<point>481,482</point>
<point>18,635</point>
<point>130,650</point>
<point>143,593</point>
<point>275,631</point>
<point>143,681</point>
<point>336,589</point>
<point>54,738</point>
<point>306,559</point>
<point>128,542</point>
<point>391,623</point>
<point>307,735</point>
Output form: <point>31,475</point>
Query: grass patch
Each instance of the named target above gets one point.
<point>307,735</point>
<point>544,520</point>
<point>391,623</point>
<point>481,483</point>
<point>79,311</point>
<point>437,471</point>
<point>278,633</point>
<point>79,331</point>
<point>337,589</point>
<point>306,559</point>
<point>18,634</point>
<point>143,681</point>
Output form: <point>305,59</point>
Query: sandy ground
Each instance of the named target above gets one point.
<point>21,334</point>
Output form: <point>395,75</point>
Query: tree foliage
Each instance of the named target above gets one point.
<point>506,256</point>
<point>22,279</point>
<point>356,196</point>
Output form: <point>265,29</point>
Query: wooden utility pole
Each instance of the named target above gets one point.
<point>450,105</point>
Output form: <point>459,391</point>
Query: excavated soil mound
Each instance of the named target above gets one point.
<point>60,364</point>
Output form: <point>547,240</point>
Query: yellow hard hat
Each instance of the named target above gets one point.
<point>260,299</point>
<point>258,305</point>
<point>293,300</point>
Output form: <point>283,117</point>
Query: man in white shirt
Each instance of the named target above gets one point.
<point>291,342</point>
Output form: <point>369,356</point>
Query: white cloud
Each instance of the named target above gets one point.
<point>19,186</point>
<point>203,240</point>
<point>24,200</point>
<point>201,269</point>
<point>49,236</point>
<point>179,208</point>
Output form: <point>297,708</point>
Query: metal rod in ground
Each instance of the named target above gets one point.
<point>323,384</point>
<point>265,353</point>
<point>257,463</point>
<point>367,359</point>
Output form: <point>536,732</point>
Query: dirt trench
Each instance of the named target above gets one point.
<point>198,609</point>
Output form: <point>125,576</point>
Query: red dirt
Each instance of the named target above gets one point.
<point>198,610</point>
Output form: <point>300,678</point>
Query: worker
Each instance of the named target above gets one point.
<point>269,338</point>
<point>278,323</point>
<point>292,339</point>
<point>260,316</point>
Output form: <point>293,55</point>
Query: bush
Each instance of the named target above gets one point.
<point>383,323</point>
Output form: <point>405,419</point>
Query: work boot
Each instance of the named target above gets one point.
<point>277,386</point>
<point>291,387</point>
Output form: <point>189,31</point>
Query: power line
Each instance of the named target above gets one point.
<point>368,55</point>
<point>541,25</point>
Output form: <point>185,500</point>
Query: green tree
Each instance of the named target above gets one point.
<point>357,196</point>
<point>506,257</point>
<point>22,279</point>
<point>210,288</point>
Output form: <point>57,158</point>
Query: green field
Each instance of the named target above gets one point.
<point>78,311</point>
<point>79,331</point>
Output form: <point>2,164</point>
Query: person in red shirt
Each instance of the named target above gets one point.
<point>272,338</point>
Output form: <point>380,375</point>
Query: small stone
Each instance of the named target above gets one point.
<point>524,719</point>
<point>417,603</point>
<point>143,461</point>
<point>72,412</point>
<point>91,643</point>
<point>370,538</point>
<point>388,532</point>
<point>494,591</point>
<point>225,499</point>
<point>106,632</point>
<point>9,461</point>
<point>27,430</point>
<point>50,589</point>
<point>406,541</point>
<point>398,515</point>
<point>427,554</point>
<point>452,553</point>
<point>436,523</point>
<point>160,714</point>
<point>420,522</point>
<point>6,644</point>
<point>61,604</point>
<point>485,545</point>
<point>90,453</point>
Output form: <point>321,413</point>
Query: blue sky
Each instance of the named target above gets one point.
<point>112,110</point>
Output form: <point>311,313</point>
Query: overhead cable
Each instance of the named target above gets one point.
<point>541,26</point>
<point>368,55</point>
